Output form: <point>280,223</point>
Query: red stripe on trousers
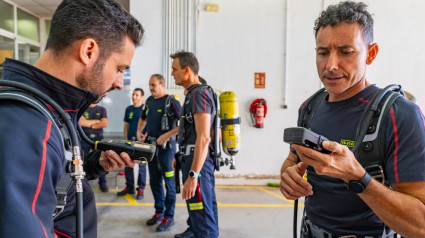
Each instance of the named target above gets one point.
<point>41,174</point>
<point>199,192</point>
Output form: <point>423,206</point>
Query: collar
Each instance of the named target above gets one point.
<point>71,98</point>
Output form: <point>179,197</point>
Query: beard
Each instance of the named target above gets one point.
<point>93,80</point>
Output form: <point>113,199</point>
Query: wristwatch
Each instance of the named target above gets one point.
<point>193,174</point>
<point>359,186</point>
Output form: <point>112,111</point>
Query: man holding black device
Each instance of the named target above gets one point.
<point>342,199</point>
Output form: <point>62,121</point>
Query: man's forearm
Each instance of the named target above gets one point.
<point>401,212</point>
<point>200,155</point>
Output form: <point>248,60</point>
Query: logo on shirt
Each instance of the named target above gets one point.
<point>130,116</point>
<point>86,115</point>
<point>348,143</point>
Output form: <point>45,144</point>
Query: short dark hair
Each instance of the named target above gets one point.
<point>159,77</point>
<point>103,20</point>
<point>141,91</point>
<point>349,12</point>
<point>187,59</point>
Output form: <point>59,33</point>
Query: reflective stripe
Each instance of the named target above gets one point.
<point>196,206</point>
<point>169,174</point>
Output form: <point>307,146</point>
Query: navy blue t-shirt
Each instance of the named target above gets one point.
<point>199,99</point>
<point>132,116</point>
<point>94,113</point>
<point>332,206</point>
<point>153,112</point>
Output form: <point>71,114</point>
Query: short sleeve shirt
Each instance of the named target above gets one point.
<point>199,99</point>
<point>132,116</point>
<point>94,113</point>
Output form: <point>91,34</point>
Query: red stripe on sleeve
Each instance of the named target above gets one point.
<point>396,144</point>
<point>205,100</point>
<point>422,116</point>
<point>41,174</point>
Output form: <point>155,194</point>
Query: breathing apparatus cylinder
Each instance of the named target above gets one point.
<point>230,125</point>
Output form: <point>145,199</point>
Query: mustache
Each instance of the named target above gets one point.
<point>332,74</point>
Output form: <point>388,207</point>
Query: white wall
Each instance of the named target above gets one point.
<point>248,36</point>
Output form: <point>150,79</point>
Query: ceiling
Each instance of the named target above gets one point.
<point>46,8</point>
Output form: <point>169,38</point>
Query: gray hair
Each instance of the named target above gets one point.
<point>348,12</point>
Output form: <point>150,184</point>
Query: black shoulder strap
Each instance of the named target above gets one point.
<point>146,106</point>
<point>65,181</point>
<point>309,108</point>
<point>168,110</point>
<point>368,148</point>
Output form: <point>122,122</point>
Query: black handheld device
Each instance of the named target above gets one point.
<point>136,150</point>
<point>304,137</point>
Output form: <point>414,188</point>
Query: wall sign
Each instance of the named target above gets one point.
<point>259,80</point>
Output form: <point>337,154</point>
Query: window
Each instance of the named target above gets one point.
<point>6,17</point>
<point>28,26</point>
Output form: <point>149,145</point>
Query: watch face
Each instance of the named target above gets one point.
<point>192,174</point>
<point>355,186</point>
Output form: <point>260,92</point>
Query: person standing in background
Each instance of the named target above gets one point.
<point>194,137</point>
<point>131,119</point>
<point>93,120</point>
<point>159,124</point>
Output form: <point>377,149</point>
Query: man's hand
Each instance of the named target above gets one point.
<point>292,184</point>
<point>341,163</point>
<point>189,188</point>
<point>141,137</point>
<point>162,139</point>
<point>110,160</point>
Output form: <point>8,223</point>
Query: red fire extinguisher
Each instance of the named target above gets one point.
<point>258,111</point>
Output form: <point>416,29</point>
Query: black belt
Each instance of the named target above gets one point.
<point>312,231</point>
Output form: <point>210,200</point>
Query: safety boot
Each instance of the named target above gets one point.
<point>139,195</point>
<point>125,191</point>
<point>186,234</point>
<point>165,224</point>
<point>157,217</point>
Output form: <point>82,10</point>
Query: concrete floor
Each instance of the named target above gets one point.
<point>244,211</point>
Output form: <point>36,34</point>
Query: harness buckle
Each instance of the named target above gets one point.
<point>376,171</point>
<point>187,149</point>
<point>60,206</point>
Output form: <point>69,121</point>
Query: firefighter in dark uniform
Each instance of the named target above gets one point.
<point>158,123</point>
<point>131,120</point>
<point>194,138</point>
<point>93,121</point>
